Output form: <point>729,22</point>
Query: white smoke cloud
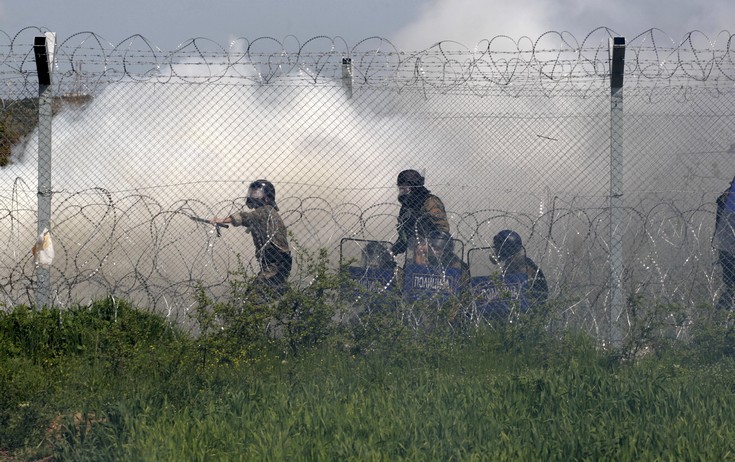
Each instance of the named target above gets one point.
<point>153,146</point>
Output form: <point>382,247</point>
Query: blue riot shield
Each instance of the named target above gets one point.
<point>430,282</point>
<point>434,269</point>
<point>372,279</point>
<point>369,267</point>
<point>497,297</point>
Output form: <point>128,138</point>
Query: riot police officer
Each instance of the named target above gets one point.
<point>269,234</point>
<point>516,265</point>
<point>418,207</point>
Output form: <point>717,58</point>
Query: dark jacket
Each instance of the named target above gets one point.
<point>724,237</point>
<point>537,289</point>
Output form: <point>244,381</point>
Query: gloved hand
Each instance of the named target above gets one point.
<point>398,248</point>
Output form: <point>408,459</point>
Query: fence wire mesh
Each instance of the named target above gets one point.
<point>510,134</point>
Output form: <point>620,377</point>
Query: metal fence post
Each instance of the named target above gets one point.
<point>347,76</point>
<point>43,48</point>
<point>617,64</point>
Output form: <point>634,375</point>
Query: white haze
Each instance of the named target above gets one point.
<point>332,160</point>
<point>152,150</point>
<point>146,148</point>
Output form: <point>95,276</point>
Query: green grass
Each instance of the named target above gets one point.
<point>111,382</point>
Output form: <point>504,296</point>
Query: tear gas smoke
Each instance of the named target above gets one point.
<point>130,168</point>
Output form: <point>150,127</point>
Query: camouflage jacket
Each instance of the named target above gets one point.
<point>429,217</point>
<point>267,229</point>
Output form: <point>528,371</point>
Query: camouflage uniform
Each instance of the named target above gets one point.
<point>423,217</point>
<point>270,238</point>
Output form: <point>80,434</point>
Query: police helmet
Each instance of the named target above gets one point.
<point>440,244</point>
<point>260,193</point>
<point>375,255</point>
<point>507,243</point>
<point>410,178</point>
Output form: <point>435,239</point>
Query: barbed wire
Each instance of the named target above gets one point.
<point>555,61</point>
<point>118,231</point>
<point>138,249</point>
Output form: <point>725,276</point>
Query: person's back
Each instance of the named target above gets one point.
<point>270,239</point>
<point>724,237</point>
<point>537,289</point>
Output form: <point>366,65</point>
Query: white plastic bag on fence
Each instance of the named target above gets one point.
<point>43,249</point>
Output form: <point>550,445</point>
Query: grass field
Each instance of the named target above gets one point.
<point>111,382</point>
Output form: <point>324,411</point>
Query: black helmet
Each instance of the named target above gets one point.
<point>410,188</point>
<point>376,255</point>
<point>410,178</point>
<point>507,243</point>
<point>260,193</point>
<point>441,243</point>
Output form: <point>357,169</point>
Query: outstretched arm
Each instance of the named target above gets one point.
<point>221,221</point>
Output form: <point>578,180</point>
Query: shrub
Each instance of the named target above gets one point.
<point>250,324</point>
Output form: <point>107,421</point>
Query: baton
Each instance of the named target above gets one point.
<point>217,226</point>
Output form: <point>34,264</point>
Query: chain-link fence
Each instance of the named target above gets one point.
<point>511,134</point>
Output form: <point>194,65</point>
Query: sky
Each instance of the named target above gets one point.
<point>409,24</point>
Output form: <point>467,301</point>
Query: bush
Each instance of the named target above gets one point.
<point>251,325</point>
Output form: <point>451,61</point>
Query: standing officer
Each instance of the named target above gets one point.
<point>270,236</point>
<point>418,207</point>
<point>724,242</point>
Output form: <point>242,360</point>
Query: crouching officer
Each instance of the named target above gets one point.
<point>517,267</point>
